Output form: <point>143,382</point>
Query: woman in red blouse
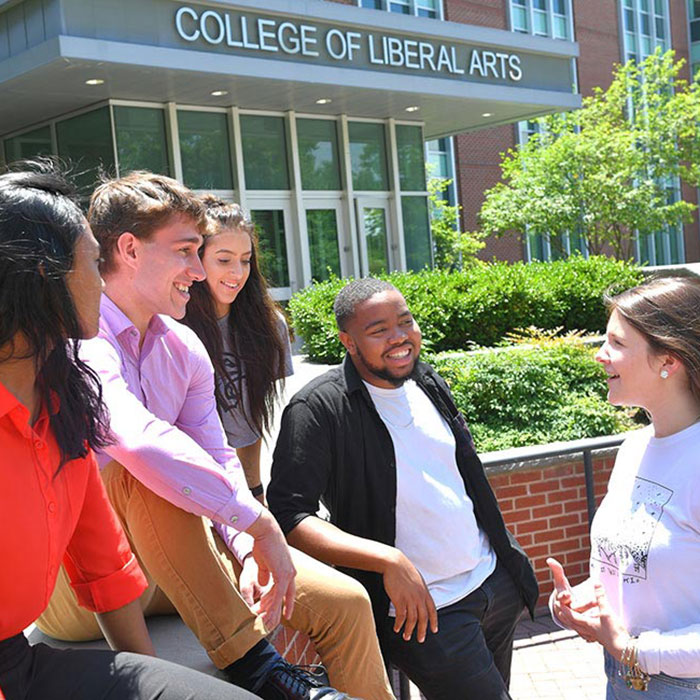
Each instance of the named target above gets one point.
<point>53,508</point>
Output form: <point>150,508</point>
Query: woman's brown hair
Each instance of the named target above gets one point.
<point>666,311</point>
<point>253,326</point>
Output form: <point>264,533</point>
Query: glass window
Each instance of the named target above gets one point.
<point>86,142</point>
<point>264,153</point>
<point>272,245</point>
<point>318,154</point>
<point>409,143</point>
<point>368,156</point>
<point>416,232</point>
<point>548,17</point>
<point>375,232</point>
<point>204,149</point>
<point>419,8</point>
<point>141,143</point>
<point>643,33</point>
<point>322,229</point>
<point>29,144</point>
<point>439,158</point>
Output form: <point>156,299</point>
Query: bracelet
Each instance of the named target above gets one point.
<point>257,490</point>
<point>634,677</point>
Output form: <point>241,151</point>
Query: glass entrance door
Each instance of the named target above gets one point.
<point>276,249</point>
<point>324,230</point>
<point>373,231</point>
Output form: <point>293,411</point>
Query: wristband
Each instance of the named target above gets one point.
<point>257,490</point>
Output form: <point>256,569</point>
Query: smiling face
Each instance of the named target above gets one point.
<point>383,339</point>
<point>633,370</point>
<point>85,284</point>
<point>226,262</point>
<point>164,266</point>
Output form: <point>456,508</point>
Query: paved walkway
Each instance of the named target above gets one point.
<point>549,662</point>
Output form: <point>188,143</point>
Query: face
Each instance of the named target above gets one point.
<point>633,371</point>
<point>226,262</point>
<point>164,267</point>
<point>383,340</point>
<point>85,284</point>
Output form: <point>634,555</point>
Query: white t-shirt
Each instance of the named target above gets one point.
<point>645,547</point>
<point>435,523</point>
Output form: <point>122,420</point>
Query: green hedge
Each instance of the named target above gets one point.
<point>478,306</point>
<point>520,396</point>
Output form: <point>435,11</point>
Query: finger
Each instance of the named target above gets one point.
<point>248,593</point>
<point>432,615</point>
<point>271,606</point>
<point>422,623</point>
<point>289,598</point>
<point>561,583</point>
<point>411,620</point>
<point>601,599</point>
<point>400,618</point>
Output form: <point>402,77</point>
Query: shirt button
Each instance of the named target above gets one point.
<point>39,444</point>
<point>52,507</point>
<point>187,490</point>
<point>234,518</point>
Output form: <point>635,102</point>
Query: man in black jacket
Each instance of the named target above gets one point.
<point>412,516</point>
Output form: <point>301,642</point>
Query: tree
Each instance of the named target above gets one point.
<point>604,171</point>
<point>452,248</point>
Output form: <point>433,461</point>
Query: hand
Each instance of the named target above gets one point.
<point>250,588</point>
<point>274,561</point>
<point>580,598</point>
<point>414,605</point>
<point>606,627</point>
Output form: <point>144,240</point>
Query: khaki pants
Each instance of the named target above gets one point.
<point>191,572</point>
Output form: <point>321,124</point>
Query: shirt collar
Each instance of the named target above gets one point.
<point>118,322</point>
<point>8,401</point>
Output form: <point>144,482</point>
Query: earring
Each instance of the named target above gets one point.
<point>664,374</point>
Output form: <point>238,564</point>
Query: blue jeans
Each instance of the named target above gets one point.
<point>661,686</point>
<point>470,656</point>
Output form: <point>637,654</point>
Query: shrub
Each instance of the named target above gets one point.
<point>519,396</point>
<point>479,305</point>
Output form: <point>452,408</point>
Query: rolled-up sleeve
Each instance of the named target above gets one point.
<point>181,463</point>
<point>100,564</point>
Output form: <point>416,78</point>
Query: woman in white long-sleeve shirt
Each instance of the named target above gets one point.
<point>642,600</point>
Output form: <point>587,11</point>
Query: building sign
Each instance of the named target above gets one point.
<point>270,36</point>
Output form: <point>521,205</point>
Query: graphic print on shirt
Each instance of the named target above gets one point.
<point>627,548</point>
<point>232,380</point>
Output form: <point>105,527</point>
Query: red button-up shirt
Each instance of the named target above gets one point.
<point>46,520</point>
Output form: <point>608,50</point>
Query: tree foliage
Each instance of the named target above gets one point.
<point>605,171</point>
<point>453,249</point>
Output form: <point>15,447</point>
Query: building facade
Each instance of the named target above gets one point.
<point>319,115</point>
<point>313,114</point>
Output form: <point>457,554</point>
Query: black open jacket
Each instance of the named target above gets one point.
<point>334,447</point>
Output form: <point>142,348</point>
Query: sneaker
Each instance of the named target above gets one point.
<point>287,682</point>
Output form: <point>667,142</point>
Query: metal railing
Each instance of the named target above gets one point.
<point>495,461</point>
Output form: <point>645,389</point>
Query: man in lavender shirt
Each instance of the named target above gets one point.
<point>170,473</point>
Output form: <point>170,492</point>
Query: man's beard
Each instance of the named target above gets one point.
<point>383,373</point>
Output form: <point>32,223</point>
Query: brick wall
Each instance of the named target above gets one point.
<point>545,508</point>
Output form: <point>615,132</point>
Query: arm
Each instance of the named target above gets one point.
<point>189,464</point>
<point>301,469</point>
<point>403,583</point>
<point>125,629</point>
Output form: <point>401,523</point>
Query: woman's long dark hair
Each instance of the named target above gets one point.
<point>253,327</point>
<point>40,225</point>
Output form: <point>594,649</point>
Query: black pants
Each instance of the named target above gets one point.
<point>40,672</point>
<point>470,655</point>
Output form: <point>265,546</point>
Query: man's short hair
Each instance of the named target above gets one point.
<point>140,203</point>
<point>355,293</point>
